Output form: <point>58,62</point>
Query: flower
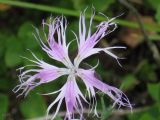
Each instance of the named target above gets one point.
<point>57,49</point>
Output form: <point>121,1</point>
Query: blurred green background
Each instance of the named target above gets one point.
<point>139,78</point>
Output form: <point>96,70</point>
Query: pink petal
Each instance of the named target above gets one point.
<point>71,93</point>
<point>86,43</point>
<point>119,98</point>
<point>31,78</point>
<point>56,48</point>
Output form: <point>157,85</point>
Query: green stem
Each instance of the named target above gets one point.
<point>75,13</point>
<point>40,7</point>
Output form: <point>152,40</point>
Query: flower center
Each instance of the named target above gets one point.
<point>73,71</point>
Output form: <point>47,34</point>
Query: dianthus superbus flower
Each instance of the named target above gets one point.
<point>57,48</point>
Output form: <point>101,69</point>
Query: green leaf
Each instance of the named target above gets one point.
<point>154,91</point>
<point>146,71</point>
<point>146,116</point>
<point>52,86</point>
<point>4,84</point>
<point>28,54</point>
<point>157,16</point>
<point>128,82</point>
<point>2,43</point>
<point>58,118</point>
<point>73,26</point>
<point>146,113</point>
<point>101,5</point>
<point>106,114</point>
<point>33,106</point>
<point>3,106</point>
<point>81,4</point>
<point>154,3</point>
<point>13,52</point>
<point>12,59</point>
<point>25,34</point>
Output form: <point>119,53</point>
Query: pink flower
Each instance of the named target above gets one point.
<point>57,49</point>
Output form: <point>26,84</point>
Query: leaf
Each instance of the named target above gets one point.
<point>3,106</point>
<point>58,118</point>
<point>128,82</point>
<point>107,113</point>
<point>154,91</point>
<point>13,52</point>
<point>146,71</point>
<point>70,36</point>
<point>52,86</point>
<point>147,113</point>
<point>33,106</point>
<point>12,59</point>
<point>25,34</point>
<point>101,5</point>
<point>146,116</point>
<point>4,84</point>
<point>154,3</point>
<point>2,43</point>
<point>3,68</point>
<point>157,16</point>
<point>81,4</point>
<point>28,54</point>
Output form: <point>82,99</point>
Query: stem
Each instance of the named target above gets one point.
<point>40,7</point>
<point>75,13</point>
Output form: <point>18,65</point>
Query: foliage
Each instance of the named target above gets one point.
<point>33,106</point>
<point>138,77</point>
<point>3,105</point>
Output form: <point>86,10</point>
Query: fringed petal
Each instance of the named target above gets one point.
<point>71,93</point>
<point>56,48</point>
<point>31,78</point>
<point>90,80</point>
<point>86,43</point>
